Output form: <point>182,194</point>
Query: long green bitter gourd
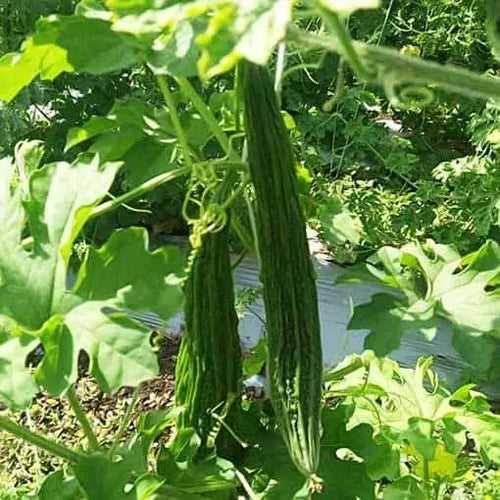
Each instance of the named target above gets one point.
<point>208,371</point>
<point>287,273</point>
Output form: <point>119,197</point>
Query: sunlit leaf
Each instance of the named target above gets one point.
<point>150,284</point>
<point>349,6</point>
<point>17,387</point>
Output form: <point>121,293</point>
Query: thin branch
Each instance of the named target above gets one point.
<point>411,69</point>
<point>82,418</point>
<point>55,449</point>
<point>172,109</point>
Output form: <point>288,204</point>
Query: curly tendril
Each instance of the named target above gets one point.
<point>405,94</point>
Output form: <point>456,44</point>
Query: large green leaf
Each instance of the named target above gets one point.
<point>345,476</point>
<point>61,198</point>
<point>388,318</point>
<point>409,411</point>
<point>119,349</point>
<point>176,53</point>
<point>485,430</point>
<point>59,366</point>
<point>338,225</point>
<point>111,478</point>
<point>462,290</point>
<point>35,305</point>
<point>249,30</point>
<point>65,44</point>
<point>124,270</point>
<point>437,284</point>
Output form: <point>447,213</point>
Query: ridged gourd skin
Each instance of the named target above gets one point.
<point>208,369</point>
<point>287,273</point>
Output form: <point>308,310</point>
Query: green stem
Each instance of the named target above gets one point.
<point>427,479</point>
<point>41,442</point>
<point>346,46</point>
<point>125,421</point>
<point>172,108</point>
<point>410,68</point>
<point>343,372</point>
<point>82,418</point>
<point>206,114</point>
<point>146,187</point>
<point>237,101</point>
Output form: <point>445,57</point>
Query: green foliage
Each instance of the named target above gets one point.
<point>388,431</point>
<point>436,283</point>
<point>426,427</point>
<point>36,305</point>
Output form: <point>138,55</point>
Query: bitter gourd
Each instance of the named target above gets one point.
<point>208,370</point>
<point>287,273</point>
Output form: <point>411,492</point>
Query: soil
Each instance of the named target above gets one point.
<point>23,466</point>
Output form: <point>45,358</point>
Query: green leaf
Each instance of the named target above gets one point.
<point>147,159</point>
<point>420,435</point>
<point>154,487</point>
<point>114,145</point>
<point>64,44</point>
<point>406,488</point>
<point>95,126</point>
<point>119,349</point>
<point>59,366</point>
<point>33,283</point>
<point>253,364</point>
<point>485,430</point>
<point>406,397</point>
<point>343,479</point>
<point>91,45</point>
<point>61,198</point>
<point>17,387</point>
<point>27,157</point>
<point>57,487</point>
<point>475,348</point>
<point>381,459</point>
<point>462,290</point>
<point>337,224</point>
<point>150,284</point>
<point>176,53</point>
<point>178,465</point>
<point>437,283</point>
<point>152,424</point>
<point>249,30</point>
<point>388,318</point>
<point>103,478</point>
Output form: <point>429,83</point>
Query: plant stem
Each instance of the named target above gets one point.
<point>206,114</point>
<point>41,442</point>
<point>246,486</point>
<point>125,421</point>
<point>82,418</point>
<point>346,47</point>
<point>172,108</point>
<point>427,479</point>
<point>237,101</point>
<point>410,68</point>
<point>343,372</point>
<point>280,70</point>
<point>144,188</point>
